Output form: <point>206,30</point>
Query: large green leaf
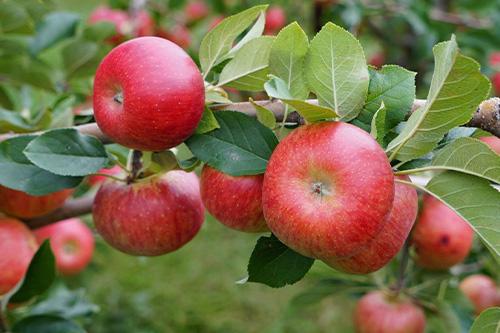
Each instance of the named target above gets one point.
<point>218,42</point>
<point>22,70</point>
<point>77,54</point>
<point>277,88</point>
<point>39,277</point>
<point>475,200</point>
<point>55,27</point>
<point>251,59</point>
<point>466,155</point>
<point>241,146</point>
<point>17,172</point>
<point>336,71</point>
<point>456,90</point>
<point>487,322</point>
<point>274,264</point>
<point>46,324</point>
<point>393,85</point>
<point>66,152</point>
<point>265,116</point>
<point>287,58</point>
<point>207,123</point>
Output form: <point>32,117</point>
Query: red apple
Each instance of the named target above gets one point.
<point>148,94</point>
<point>441,238</point>
<point>327,190</point>
<point>377,312</point>
<point>482,291</point>
<point>493,142</point>
<point>215,22</point>
<point>23,205</point>
<point>379,251</point>
<point>196,10</point>
<point>180,35</point>
<point>96,179</point>
<point>495,80</point>
<point>235,201</point>
<point>143,24</point>
<point>17,247</point>
<point>377,59</point>
<point>495,59</point>
<point>118,18</point>
<point>275,19</point>
<point>72,243</point>
<point>151,217</point>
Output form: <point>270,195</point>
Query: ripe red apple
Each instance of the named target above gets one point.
<point>379,251</point>
<point>377,312</point>
<point>482,291</point>
<point>96,179</point>
<point>196,10</point>
<point>17,247</point>
<point>148,94</point>
<point>152,216</point>
<point>495,80</point>
<point>377,59</point>
<point>118,18</point>
<point>215,22</point>
<point>23,205</point>
<point>180,35</point>
<point>275,19</point>
<point>235,201</point>
<point>495,59</point>
<point>143,24</point>
<point>441,238</point>
<point>327,190</point>
<point>72,243</point>
<point>493,142</point>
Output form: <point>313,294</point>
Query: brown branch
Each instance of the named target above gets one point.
<point>71,208</point>
<point>460,20</point>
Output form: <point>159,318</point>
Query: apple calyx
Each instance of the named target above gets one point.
<point>118,98</point>
<point>321,189</point>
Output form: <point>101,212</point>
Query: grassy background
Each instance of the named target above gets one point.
<point>194,290</point>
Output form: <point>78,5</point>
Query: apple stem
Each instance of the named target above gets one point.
<point>135,163</point>
<point>3,322</point>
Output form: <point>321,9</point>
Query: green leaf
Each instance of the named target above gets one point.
<point>216,96</point>
<point>475,200</point>
<point>487,322</point>
<point>99,31</point>
<point>241,146</point>
<point>66,152</point>
<point>218,42</point>
<point>456,90</point>
<point>470,156</point>
<point>379,126</point>
<point>46,324</point>
<point>251,59</point>
<point>445,320</point>
<point>22,70</point>
<point>336,71</point>
<point>264,116</point>
<point>55,27</point>
<point>274,264</point>
<point>13,16</point>
<point>393,85</point>
<point>287,57</point>
<point>77,54</point>
<point>39,277</point>
<point>207,123</point>
<point>17,172</point>
<point>277,88</point>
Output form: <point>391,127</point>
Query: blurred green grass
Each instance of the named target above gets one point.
<point>194,290</point>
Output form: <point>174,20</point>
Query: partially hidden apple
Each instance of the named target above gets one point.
<point>495,80</point>
<point>17,247</point>
<point>148,94</point>
<point>275,19</point>
<point>196,10</point>
<point>99,179</point>
<point>20,204</point>
<point>377,312</point>
<point>215,21</point>
<point>441,238</point>
<point>235,201</point>
<point>327,190</point>
<point>482,291</point>
<point>152,216</point>
<point>72,243</point>
<point>180,35</point>
<point>379,251</point>
<point>493,142</point>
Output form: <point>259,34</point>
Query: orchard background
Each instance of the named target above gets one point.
<point>49,54</point>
